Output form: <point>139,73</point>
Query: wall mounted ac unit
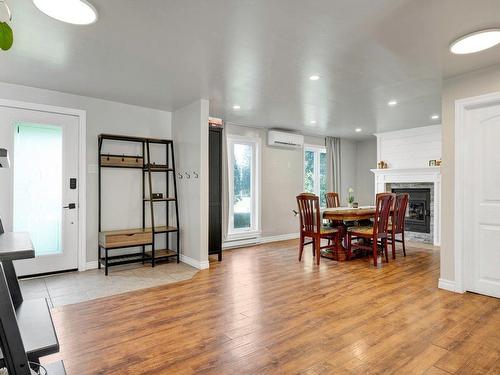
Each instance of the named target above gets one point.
<point>281,139</point>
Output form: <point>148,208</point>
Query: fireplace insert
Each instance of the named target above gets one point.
<point>418,213</point>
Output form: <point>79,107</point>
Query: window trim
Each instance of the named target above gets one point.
<point>255,230</point>
<point>318,149</point>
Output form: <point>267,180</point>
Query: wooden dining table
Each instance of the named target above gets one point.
<point>345,215</point>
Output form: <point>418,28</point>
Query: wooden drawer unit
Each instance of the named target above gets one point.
<point>124,238</point>
<point>122,161</point>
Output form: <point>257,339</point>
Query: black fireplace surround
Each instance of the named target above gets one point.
<point>418,213</point>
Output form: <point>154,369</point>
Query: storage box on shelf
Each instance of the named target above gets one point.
<point>111,241</point>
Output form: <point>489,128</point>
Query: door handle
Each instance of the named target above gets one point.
<point>70,206</point>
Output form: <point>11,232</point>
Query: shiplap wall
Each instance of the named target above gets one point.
<point>410,148</point>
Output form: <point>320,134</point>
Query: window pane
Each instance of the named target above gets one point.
<point>242,185</point>
<point>322,178</point>
<point>38,185</point>
<point>309,171</point>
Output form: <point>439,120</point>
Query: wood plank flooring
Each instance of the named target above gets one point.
<point>260,311</point>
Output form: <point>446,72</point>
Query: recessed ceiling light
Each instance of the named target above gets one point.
<point>358,130</point>
<point>314,77</point>
<point>435,117</point>
<point>236,107</point>
<point>313,122</point>
<point>392,103</point>
<point>475,42</point>
<point>78,12</point>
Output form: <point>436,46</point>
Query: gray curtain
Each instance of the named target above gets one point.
<point>225,187</point>
<point>333,168</point>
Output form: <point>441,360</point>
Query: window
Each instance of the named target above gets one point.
<point>243,163</point>
<point>315,171</point>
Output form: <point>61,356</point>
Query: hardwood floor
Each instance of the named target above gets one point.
<point>260,311</point>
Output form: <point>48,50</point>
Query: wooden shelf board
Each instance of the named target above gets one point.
<point>161,253</point>
<point>160,228</point>
<point>169,199</point>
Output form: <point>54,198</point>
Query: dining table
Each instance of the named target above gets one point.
<point>345,216</point>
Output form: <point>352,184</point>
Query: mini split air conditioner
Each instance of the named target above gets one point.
<point>281,139</point>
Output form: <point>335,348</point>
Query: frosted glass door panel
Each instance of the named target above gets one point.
<point>38,185</point>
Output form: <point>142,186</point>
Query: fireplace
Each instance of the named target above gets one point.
<point>418,213</point>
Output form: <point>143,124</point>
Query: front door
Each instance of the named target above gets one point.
<point>482,207</point>
<point>43,196</point>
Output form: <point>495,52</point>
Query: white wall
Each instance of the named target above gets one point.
<point>102,117</point>
<point>366,159</point>
<point>190,134</point>
<point>410,148</point>
<point>473,84</point>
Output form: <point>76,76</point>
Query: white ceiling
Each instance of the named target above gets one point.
<point>259,54</point>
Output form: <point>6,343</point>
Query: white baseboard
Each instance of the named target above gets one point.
<point>281,237</point>
<point>240,243</point>
<point>91,265</point>
<point>195,263</point>
<point>447,285</point>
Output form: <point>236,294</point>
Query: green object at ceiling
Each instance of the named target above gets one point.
<point>6,36</point>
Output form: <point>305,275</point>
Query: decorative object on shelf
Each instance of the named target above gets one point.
<point>432,163</point>
<point>157,195</point>
<point>438,163</point>
<point>215,122</point>
<point>355,205</point>
<point>6,34</point>
<point>195,175</point>
<point>382,165</point>
<point>350,196</point>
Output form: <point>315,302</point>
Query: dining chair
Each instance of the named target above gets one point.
<point>311,226</point>
<point>374,233</point>
<point>397,225</point>
<point>332,200</point>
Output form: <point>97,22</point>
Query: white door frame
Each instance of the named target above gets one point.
<point>462,106</point>
<point>82,157</point>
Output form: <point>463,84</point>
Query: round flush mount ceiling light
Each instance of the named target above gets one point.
<point>312,122</point>
<point>236,107</point>
<point>392,103</point>
<point>77,12</point>
<point>358,130</point>
<point>435,117</point>
<point>476,41</point>
<point>314,77</point>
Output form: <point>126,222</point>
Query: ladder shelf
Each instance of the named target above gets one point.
<point>110,242</point>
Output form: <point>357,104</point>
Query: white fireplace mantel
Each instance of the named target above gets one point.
<point>414,175</point>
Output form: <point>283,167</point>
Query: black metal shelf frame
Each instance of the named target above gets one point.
<point>171,197</point>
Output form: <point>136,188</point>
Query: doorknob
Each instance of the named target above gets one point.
<point>70,206</point>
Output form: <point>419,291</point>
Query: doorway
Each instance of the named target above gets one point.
<point>42,187</point>
<point>477,229</point>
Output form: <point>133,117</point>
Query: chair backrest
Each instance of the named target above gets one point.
<point>332,200</point>
<point>309,212</point>
<point>384,202</point>
<point>399,215</point>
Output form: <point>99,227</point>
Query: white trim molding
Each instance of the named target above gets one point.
<point>195,263</point>
<point>82,165</point>
<point>462,106</point>
<point>280,237</point>
<point>413,175</point>
<point>447,285</point>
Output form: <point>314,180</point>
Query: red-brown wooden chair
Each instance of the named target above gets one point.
<point>332,200</point>
<point>311,226</point>
<point>376,232</point>
<point>397,226</point>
